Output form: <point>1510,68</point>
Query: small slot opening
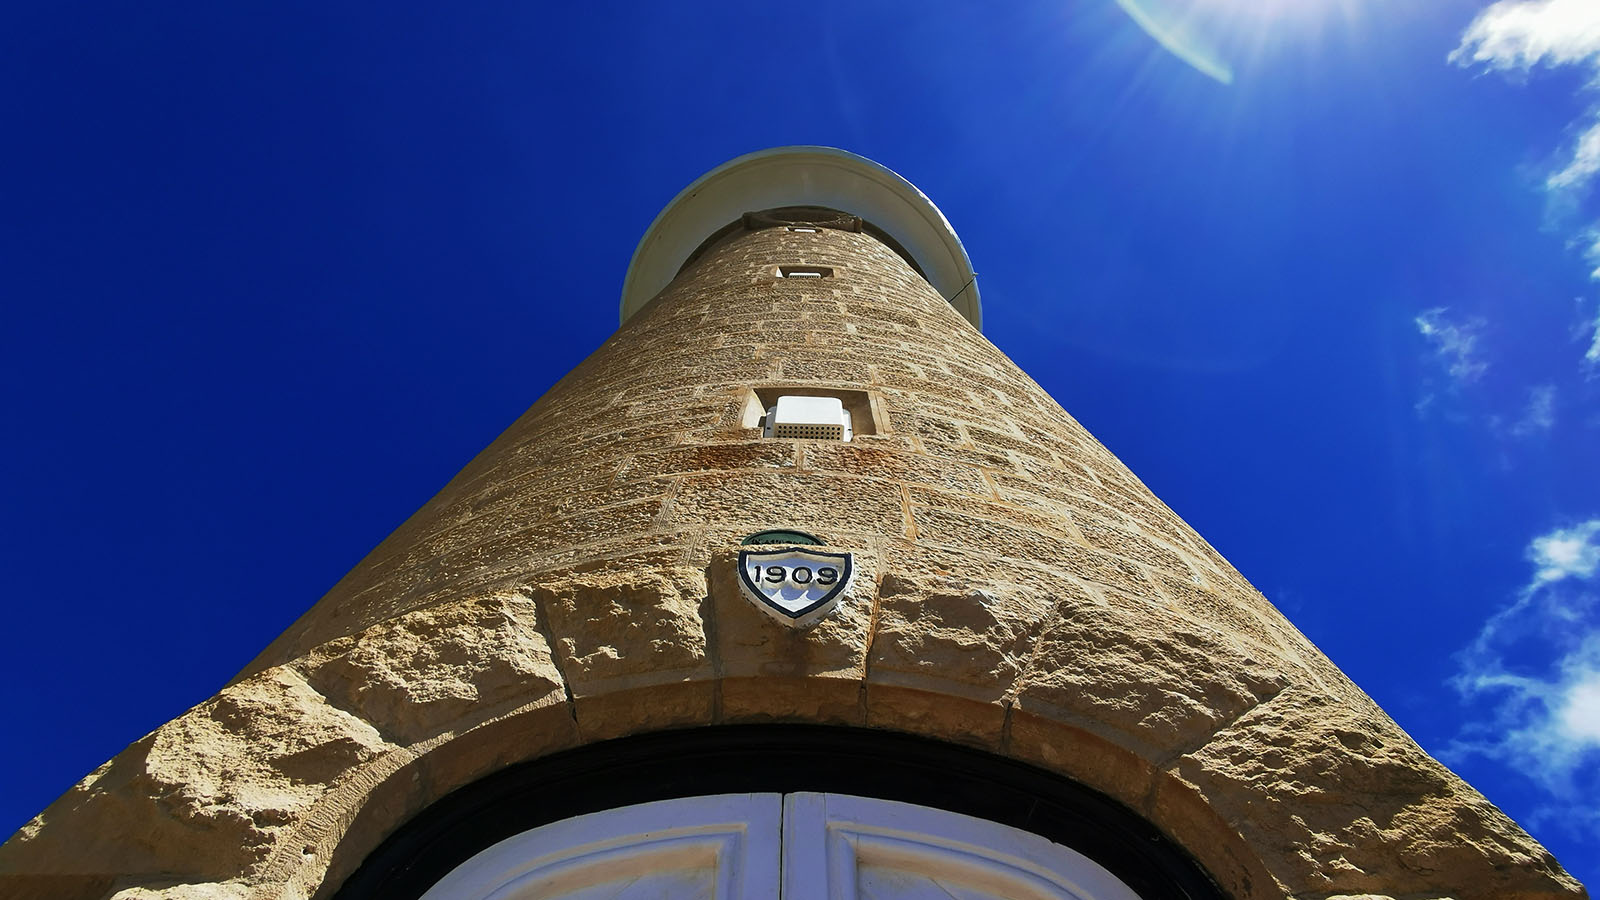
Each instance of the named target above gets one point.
<point>802,229</point>
<point>805,272</point>
<point>807,412</point>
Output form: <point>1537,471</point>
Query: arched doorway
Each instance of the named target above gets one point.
<point>795,780</point>
<point>802,846</point>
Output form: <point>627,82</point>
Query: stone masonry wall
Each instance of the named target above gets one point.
<point>1020,591</point>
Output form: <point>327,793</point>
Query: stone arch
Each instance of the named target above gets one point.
<point>749,759</point>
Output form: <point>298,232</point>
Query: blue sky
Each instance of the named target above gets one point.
<point>1323,273</point>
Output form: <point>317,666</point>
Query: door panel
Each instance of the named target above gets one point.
<point>725,846</point>
<point>838,847</point>
<point>803,846</point>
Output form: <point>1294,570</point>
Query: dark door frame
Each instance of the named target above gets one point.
<point>735,759</point>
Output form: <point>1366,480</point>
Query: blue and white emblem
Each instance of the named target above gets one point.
<point>793,585</point>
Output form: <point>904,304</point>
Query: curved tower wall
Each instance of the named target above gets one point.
<point>1019,590</point>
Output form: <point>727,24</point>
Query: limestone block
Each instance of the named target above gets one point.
<point>957,566</point>
<point>963,453</point>
<point>206,795</point>
<point>993,532</point>
<point>712,457</point>
<point>26,886</point>
<point>638,551</point>
<point>443,668</point>
<point>821,700</point>
<point>944,717</point>
<point>1141,674</point>
<point>772,672</point>
<point>1174,806</point>
<point>751,643</point>
<point>1232,606</point>
<point>1337,799</point>
<point>824,504</point>
<point>955,638</point>
<point>863,459</point>
<point>622,627</point>
<point>1103,535</point>
<point>677,704</point>
<point>1079,754</point>
<point>211,891</point>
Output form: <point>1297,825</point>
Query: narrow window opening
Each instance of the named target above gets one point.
<point>811,412</point>
<point>805,272</point>
<point>802,230</point>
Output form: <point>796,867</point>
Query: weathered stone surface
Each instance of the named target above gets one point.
<point>25,886</point>
<point>751,643</point>
<point>772,672</point>
<point>213,891</point>
<point>208,793</point>
<point>1141,675</point>
<point>1185,815</point>
<point>952,637</point>
<point>443,668</point>
<point>863,459</point>
<point>812,501</point>
<point>1081,755</point>
<point>625,628</point>
<point>946,717</point>
<point>713,457</point>
<point>1337,799</point>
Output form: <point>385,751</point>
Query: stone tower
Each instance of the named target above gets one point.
<point>563,629</point>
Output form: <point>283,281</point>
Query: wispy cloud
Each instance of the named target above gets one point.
<point>1589,329</point>
<point>1454,342</point>
<point>1540,415</point>
<point>1581,169</point>
<point>1516,36</point>
<point>1566,553</point>
<point>1520,34</point>
<point>1534,669</point>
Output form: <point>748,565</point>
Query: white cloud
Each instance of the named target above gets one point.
<point>1517,35</point>
<point>1535,666</point>
<point>1589,240</point>
<point>1588,325</point>
<point>1455,343</point>
<point>1566,553</point>
<point>1520,34</point>
<point>1585,162</point>
<point>1591,357</point>
<point>1547,728</point>
<point>1540,415</point>
<point>1580,713</point>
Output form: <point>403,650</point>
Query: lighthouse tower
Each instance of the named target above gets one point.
<point>796,587</point>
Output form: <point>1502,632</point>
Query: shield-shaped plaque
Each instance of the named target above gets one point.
<point>797,586</point>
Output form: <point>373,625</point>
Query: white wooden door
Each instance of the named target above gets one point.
<point>838,847</point>
<point>775,847</point>
<point>698,848</point>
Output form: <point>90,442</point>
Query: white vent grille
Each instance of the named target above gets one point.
<point>818,418</point>
<point>805,272</point>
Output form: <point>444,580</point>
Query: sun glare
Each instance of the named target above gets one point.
<point>1212,36</point>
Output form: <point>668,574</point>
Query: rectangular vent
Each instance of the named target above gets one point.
<point>805,272</point>
<point>817,418</point>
